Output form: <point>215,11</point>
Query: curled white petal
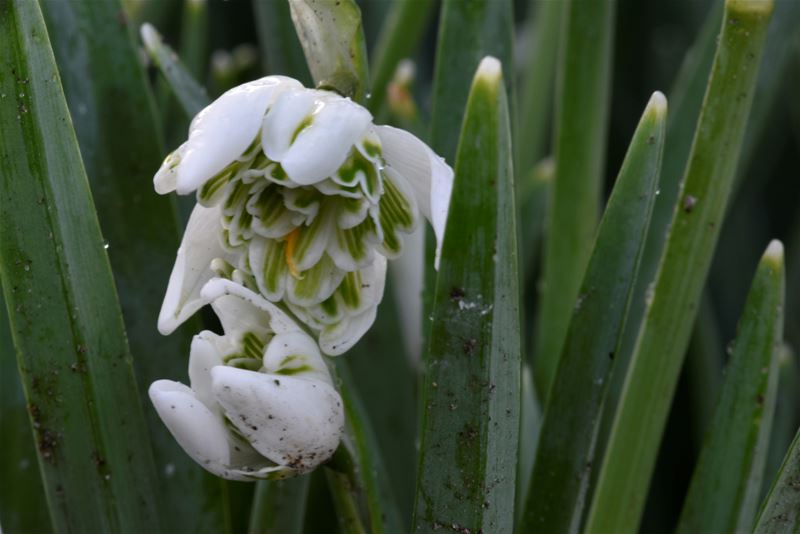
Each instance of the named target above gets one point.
<point>192,269</point>
<point>196,429</point>
<point>322,147</point>
<point>223,130</point>
<point>408,276</point>
<point>296,354</point>
<point>292,421</point>
<point>206,353</point>
<point>429,176</point>
<point>166,179</point>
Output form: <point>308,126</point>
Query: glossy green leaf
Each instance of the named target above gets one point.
<point>21,491</point>
<point>787,411</point>
<point>780,512</point>
<point>281,52</point>
<point>399,36</point>
<point>105,87</point>
<point>279,506</point>
<point>468,31</point>
<point>65,319</point>
<point>191,95</point>
<point>332,38</point>
<point>582,89</point>
<point>726,486</point>
<point>557,493</point>
<point>537,85</point>
<point>653,373</point>
<point>471,399</point>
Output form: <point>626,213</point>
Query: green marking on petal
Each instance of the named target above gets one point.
<point>307,286</point>
<point>350,290</point>
<point>395,214</point>
<point>252,345</point>
<point>288,359</point>
<point>308,237</point>
<point>372,148</point>
<point>248,364</point>
<point>208,194</point>
<point>236,197</point>
<point>276,173</point>
<point>289,371</point>
<point>222,268</point>
<point>330,306</point>
<point>306,122</point>
<point>275,267</point>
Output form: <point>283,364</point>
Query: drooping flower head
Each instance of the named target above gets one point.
<point>300,198</point>
<point>261,402</point>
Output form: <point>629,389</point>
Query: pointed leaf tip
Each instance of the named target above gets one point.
<point>658,105</point>
<point>150,36</point>
<point>490,68</point>
<point>774,251</point>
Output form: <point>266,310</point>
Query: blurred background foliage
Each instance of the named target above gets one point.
<point>656,46</point>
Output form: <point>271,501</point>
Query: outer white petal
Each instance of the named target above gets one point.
<point>192,270</point>
<point>237,316</point>
<point>407,274</point>
<point>297,355</point>
<point>291,421</point>
<point>223,130</point>
<point>321,148</point>
<point>283,119</point>
<point>430,177</point>
<point>279,322</point>
<point>196,429</point>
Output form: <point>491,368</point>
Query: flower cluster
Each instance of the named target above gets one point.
<point>300,201</point>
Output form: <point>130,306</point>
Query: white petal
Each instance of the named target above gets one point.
<point>281,122</point>
<point>428,174</point>
<point>198,431</point>
<point>200,245</point>
<point>205,354</point>
<point>166,179</point>
<point>296,354</point>
<point>317,284</point>
<point>408,272</point>
<point>321,148</point>
<point>239,316</point>
<point>291,421</point>
<point>279,322</point>
<point>223,130</point>
<point>341,337</point>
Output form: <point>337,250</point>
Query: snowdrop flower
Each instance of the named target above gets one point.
<point>261,402</point>
<point>300,198</point>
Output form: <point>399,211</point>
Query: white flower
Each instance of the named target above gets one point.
<point>300,197</point>
<point>261,402</point>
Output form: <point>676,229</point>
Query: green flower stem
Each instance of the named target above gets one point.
<point>560,479</point>
<point>279,506</point>
<point>583,88</point>
<point>471,399</point>
<point>76,368</point>
<point>651,379</point>
<point>726,486</point>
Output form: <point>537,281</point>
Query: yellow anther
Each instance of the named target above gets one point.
<point>291,240</point>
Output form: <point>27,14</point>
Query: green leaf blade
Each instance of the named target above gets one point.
<point>65,318</point>
<point>466,474</point>
<point>651,379</point>
<point>726,485</point>
<point>780,512</point>
<point>561,477</point>
<point>583,88</point>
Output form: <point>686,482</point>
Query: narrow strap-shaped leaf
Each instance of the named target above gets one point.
<point>399,35</point>
<point>105,87</point>
<point>21,491</point>
<point>65,319</point>
<point>279,506</point>
<point>468,31</point>
<point>582,88</point>
<point>557,493</point>
<point>536,93</point>
<point>726,486</point>
<point>467,465</point>
<point>372,481</point>
<point>332,38</point>
<point>191,95</point>
<point>653,373</point>
<point>787,410</point>
<point>281,52</point>
<point>780,512</point>
<point>194,37</point>
<point>534,193</point>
